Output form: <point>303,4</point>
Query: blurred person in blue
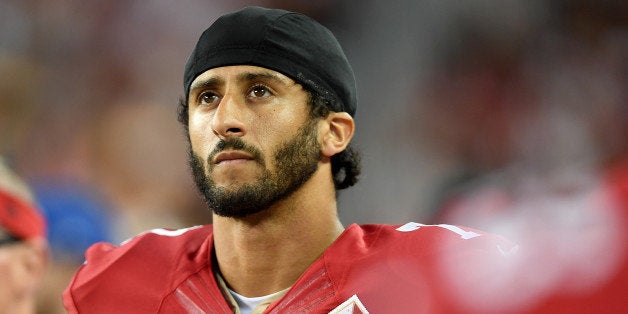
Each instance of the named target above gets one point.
<point>23,245</point>
<point>77,217</point>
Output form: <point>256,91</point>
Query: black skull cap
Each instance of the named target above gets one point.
<point>287,42</point>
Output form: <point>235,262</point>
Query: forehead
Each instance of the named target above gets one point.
<point>240,73</point>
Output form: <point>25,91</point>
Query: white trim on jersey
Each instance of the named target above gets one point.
<point>411,226</point>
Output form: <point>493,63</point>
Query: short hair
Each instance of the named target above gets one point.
<point>345,166</point>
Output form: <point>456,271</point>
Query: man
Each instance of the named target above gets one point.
<point>270,99</point>
<point>23,248</point>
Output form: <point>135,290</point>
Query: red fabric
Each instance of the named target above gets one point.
<point>390,271</point>
<point>574,243</point>
<point>611,295</point>
<point>19,218</point>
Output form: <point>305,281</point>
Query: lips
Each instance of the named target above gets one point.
<point>232,155</point>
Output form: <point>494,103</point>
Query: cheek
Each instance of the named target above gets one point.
<point>278,125</point>
<point>276,138</point>
<point>268,134</point>
<point>201,135</point>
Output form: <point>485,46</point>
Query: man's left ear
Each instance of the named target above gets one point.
<point>337,133</point>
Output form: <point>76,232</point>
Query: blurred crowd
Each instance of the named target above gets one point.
<point>507,116</point>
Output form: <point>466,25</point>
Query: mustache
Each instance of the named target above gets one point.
<point>236,143</point>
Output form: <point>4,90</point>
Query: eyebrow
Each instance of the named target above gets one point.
<point>205,84</point>
<point>252,76</point>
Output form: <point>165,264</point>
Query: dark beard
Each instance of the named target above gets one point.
<point>296,161</point>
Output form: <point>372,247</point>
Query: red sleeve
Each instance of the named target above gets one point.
<point>94,255</point>
<point>136,276</point>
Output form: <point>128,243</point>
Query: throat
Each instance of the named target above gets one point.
<point>262,261</point>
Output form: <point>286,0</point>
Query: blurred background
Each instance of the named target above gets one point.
<point>496,114</point>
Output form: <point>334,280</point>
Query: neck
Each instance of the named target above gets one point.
<point>268,251</point>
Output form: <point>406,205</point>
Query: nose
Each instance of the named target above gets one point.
<point>227,119</point>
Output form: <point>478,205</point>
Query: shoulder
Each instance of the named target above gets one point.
<point>416,265</point>
<point>417,244</point>
<point>430,238</point>
<point>421,247</point>
<point>149,264</point>
<point>153,247</point>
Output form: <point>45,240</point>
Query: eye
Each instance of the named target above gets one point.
<point>207,98</point>
<point>259,91</point>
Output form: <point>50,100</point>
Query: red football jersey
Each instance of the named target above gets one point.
<point>412,268</point>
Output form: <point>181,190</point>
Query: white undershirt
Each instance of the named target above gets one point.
<point>247,304</point>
